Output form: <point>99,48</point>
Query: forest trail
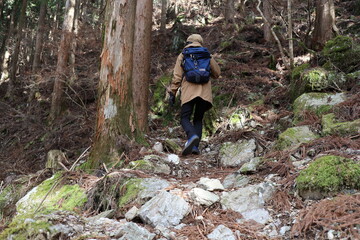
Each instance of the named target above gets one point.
<point>254,88</point>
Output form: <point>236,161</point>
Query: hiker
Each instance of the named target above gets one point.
<point>196,96</point>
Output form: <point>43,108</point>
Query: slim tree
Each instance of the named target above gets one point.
<point>267,24</point>
<point>142,57</point>
<point>117,119</point>
<point>163,15</point>
<point>15,55</point>
<point>324,23</point>
<point>63,58</point>
<point>39,35</point>
<point>229,11</point>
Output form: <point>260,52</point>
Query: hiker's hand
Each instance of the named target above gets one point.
<point>171,99</point>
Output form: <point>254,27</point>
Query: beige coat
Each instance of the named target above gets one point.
<point>189,90</point>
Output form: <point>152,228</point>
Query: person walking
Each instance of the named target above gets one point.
<point>196,97</point>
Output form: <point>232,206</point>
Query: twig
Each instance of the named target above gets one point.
<point>281,49</point>
<point>47,194</point>
<point>106,170</point>
<point>64,167</point>
<point>77,160</point>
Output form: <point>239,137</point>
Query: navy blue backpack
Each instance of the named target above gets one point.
<point>196,64</point>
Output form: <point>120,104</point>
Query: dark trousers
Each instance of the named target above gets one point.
<point>200,106</point>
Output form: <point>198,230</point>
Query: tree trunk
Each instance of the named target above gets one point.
<point>229,11</point>
<point>142,57</point>
<point>324,23</point>
<point>163,15</point>
<point>116,117</point>
<point>72,59</point>
<point>267,24</point>
<point>39,35</point>
<point>62,61</point>
<point>290,34</point>
<point>15,55</point>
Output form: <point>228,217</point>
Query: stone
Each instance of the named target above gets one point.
<point>247,198</point>
<point>331,127</point>
<point>172,158</point>
<point>235,180</point>
<point>132,213</point>
<point>131,231</point>
<point>151,163</point>
<point>294,136</point>
<point>164,209</point>
<point>65,197</point>
<point>158,147</point>
<point>105,214</point>
<point>221,232</point>
<point>259,215</point>
<point>53,158</point>
<point>210,184</point>
<point>236,154</point>
<point>171,146</point>
<point>203,197</point>
<point>284,230</point>
<point>150,187</point>
<point>318,103</point>
<point>251,166</point>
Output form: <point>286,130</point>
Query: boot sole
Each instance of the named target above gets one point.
<point>188,149</point>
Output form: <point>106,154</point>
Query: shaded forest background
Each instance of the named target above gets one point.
<point>31,42</point>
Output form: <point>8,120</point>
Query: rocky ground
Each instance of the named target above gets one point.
<point>270,167</point>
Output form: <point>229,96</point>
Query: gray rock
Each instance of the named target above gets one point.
<point>131,231</point>
<point>247,198</point>
<point>284,229</point>
<point>203,197</point>
<point>221,233</point>
<point>132,213</point>
<point>164,209</point>
<point>259,215</point>
<point>150,187</point>
<point>236,154</point>
<point>210,184</point>
<point>151,163</point>
<point>158,147</point>
<point>235,180</point>
<point>53,158</point>
<point>172,158</point>
<point>251,166</point>
<point>106,214</point>
<point>294,136</point>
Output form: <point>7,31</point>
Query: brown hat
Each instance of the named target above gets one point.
<point>195,38</point>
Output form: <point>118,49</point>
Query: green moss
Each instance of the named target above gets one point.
<point>329,174</point>
<point>292,137</point>
<point>342,53</point>
<point>25,227</point>
<point>297,85</point>
<point>130,189</point>
<point>330,126</point>
<point>65,197</point>
<point>141,165</point>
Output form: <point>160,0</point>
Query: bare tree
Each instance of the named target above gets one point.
<point>142,57</point>
<point>324,23</point>
<point>229,11</point>
<point>163,15</point>
<point>117,119</point>
<point>15,55</point>
<point>39,35</point>
<point>267,24</point>
<point>63,58</point>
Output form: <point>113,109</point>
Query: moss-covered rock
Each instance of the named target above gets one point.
<point>315,79</point>
<point>130,190</point>
<point>25,227</point>
<point>319,103</point>
<point>328,175</point>
<point>294,136</point>
<point>341,53</point>
<point>51,195</point>
<point>150,163</point>
<point>330,126</point>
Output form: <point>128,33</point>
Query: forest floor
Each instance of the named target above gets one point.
<point>248,74</point>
